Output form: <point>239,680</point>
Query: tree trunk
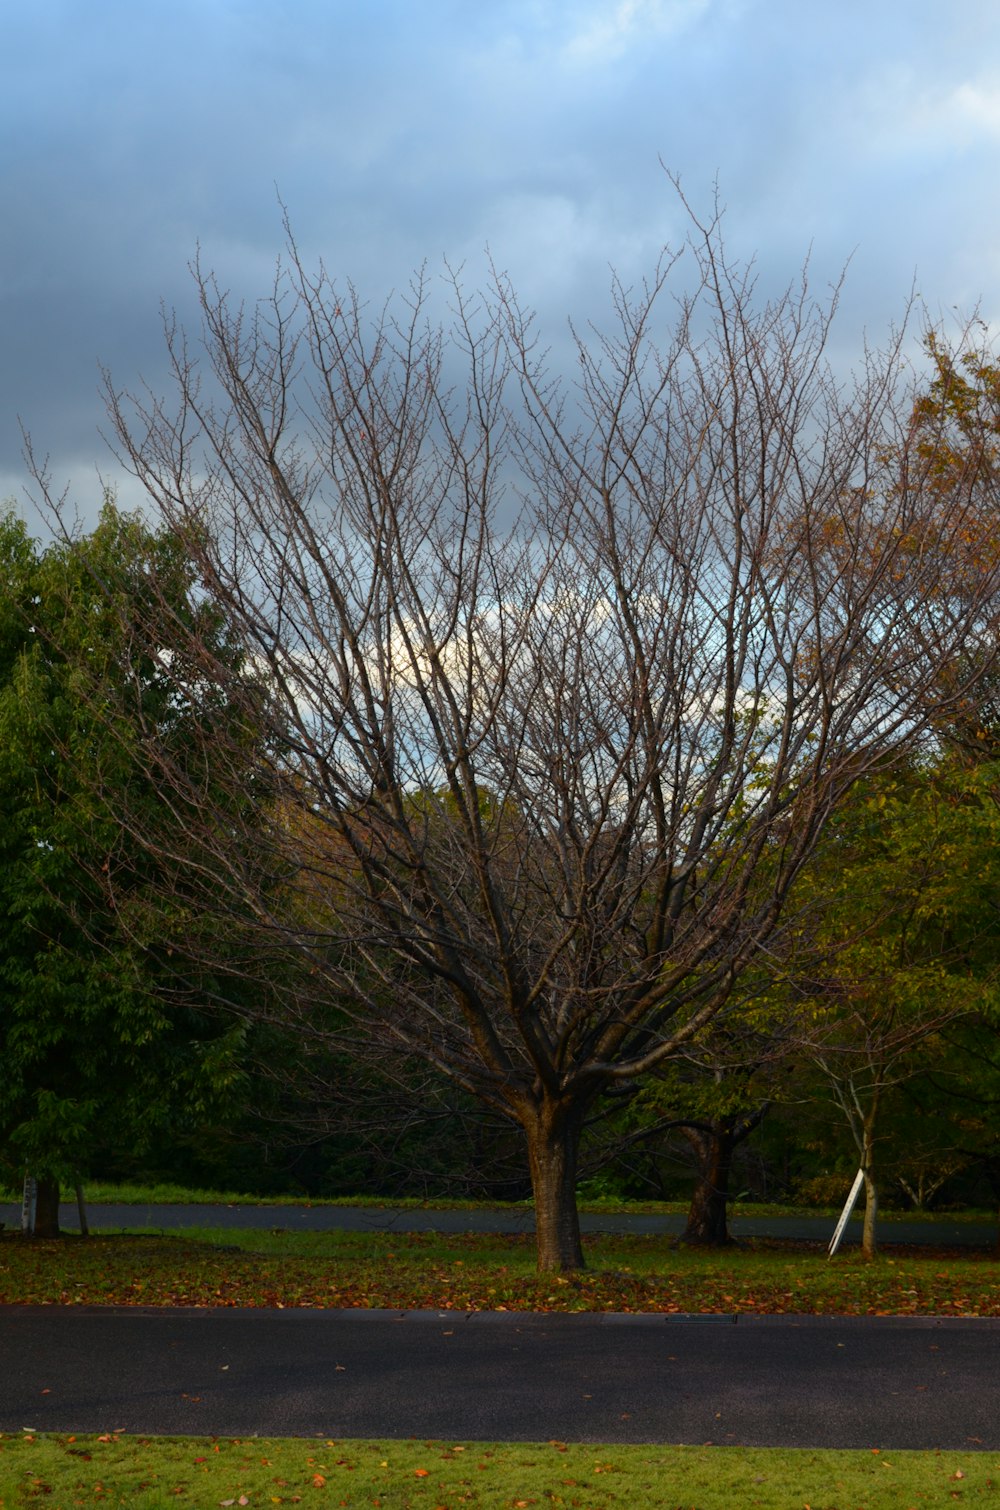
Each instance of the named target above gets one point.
<point>707,1222</point>
<point>47,1207</point>
<point>81,1211</point>
<point>553,1133</point>
<point>869,1241</point>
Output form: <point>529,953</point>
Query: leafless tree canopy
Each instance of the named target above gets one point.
<point>565,672</point>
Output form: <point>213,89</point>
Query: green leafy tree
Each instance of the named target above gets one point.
<point>903,944</point>
<point>93,1051</point>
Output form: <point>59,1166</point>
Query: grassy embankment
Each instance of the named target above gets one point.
<point>138,1473</point>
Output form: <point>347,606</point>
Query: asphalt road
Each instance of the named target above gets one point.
<point>806,1382</point>
<point>385,1219</point>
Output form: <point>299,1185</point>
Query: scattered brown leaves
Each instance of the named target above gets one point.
<point>420,1271</point>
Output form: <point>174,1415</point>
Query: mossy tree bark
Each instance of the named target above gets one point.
<point>707,1220</point>
<point>715,1144</point>
<point>47,1207</point>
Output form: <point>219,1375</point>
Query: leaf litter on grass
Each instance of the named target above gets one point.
<point>471,1273</point>
<point>143,1473</point>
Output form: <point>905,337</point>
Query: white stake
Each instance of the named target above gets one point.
<point>845,1215</point>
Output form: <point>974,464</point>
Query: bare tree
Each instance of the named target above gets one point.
<point>564,678</point>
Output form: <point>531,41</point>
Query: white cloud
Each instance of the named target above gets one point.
<point>978,106</point>
<point>899,116</point>
<point>611,29</point>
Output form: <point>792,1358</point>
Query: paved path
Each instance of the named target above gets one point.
<point>769,1381</point>
<point>385,1219</point>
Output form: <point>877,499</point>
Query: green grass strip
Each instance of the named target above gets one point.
<point>141,1473</point>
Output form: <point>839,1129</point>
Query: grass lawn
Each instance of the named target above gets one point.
<point>488,1272</point>
<point>103,1193</point>
<point>97,1192</point>
<point>60,1472</point>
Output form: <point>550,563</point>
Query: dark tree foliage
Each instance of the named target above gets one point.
<point>92,1052</point>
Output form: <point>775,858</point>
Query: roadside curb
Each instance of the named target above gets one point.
<point>299,1315</point>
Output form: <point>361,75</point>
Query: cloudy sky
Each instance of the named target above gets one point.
<point>402,130</point>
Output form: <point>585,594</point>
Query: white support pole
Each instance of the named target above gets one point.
<point>845,1215</point>
<point>29,1203</point>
